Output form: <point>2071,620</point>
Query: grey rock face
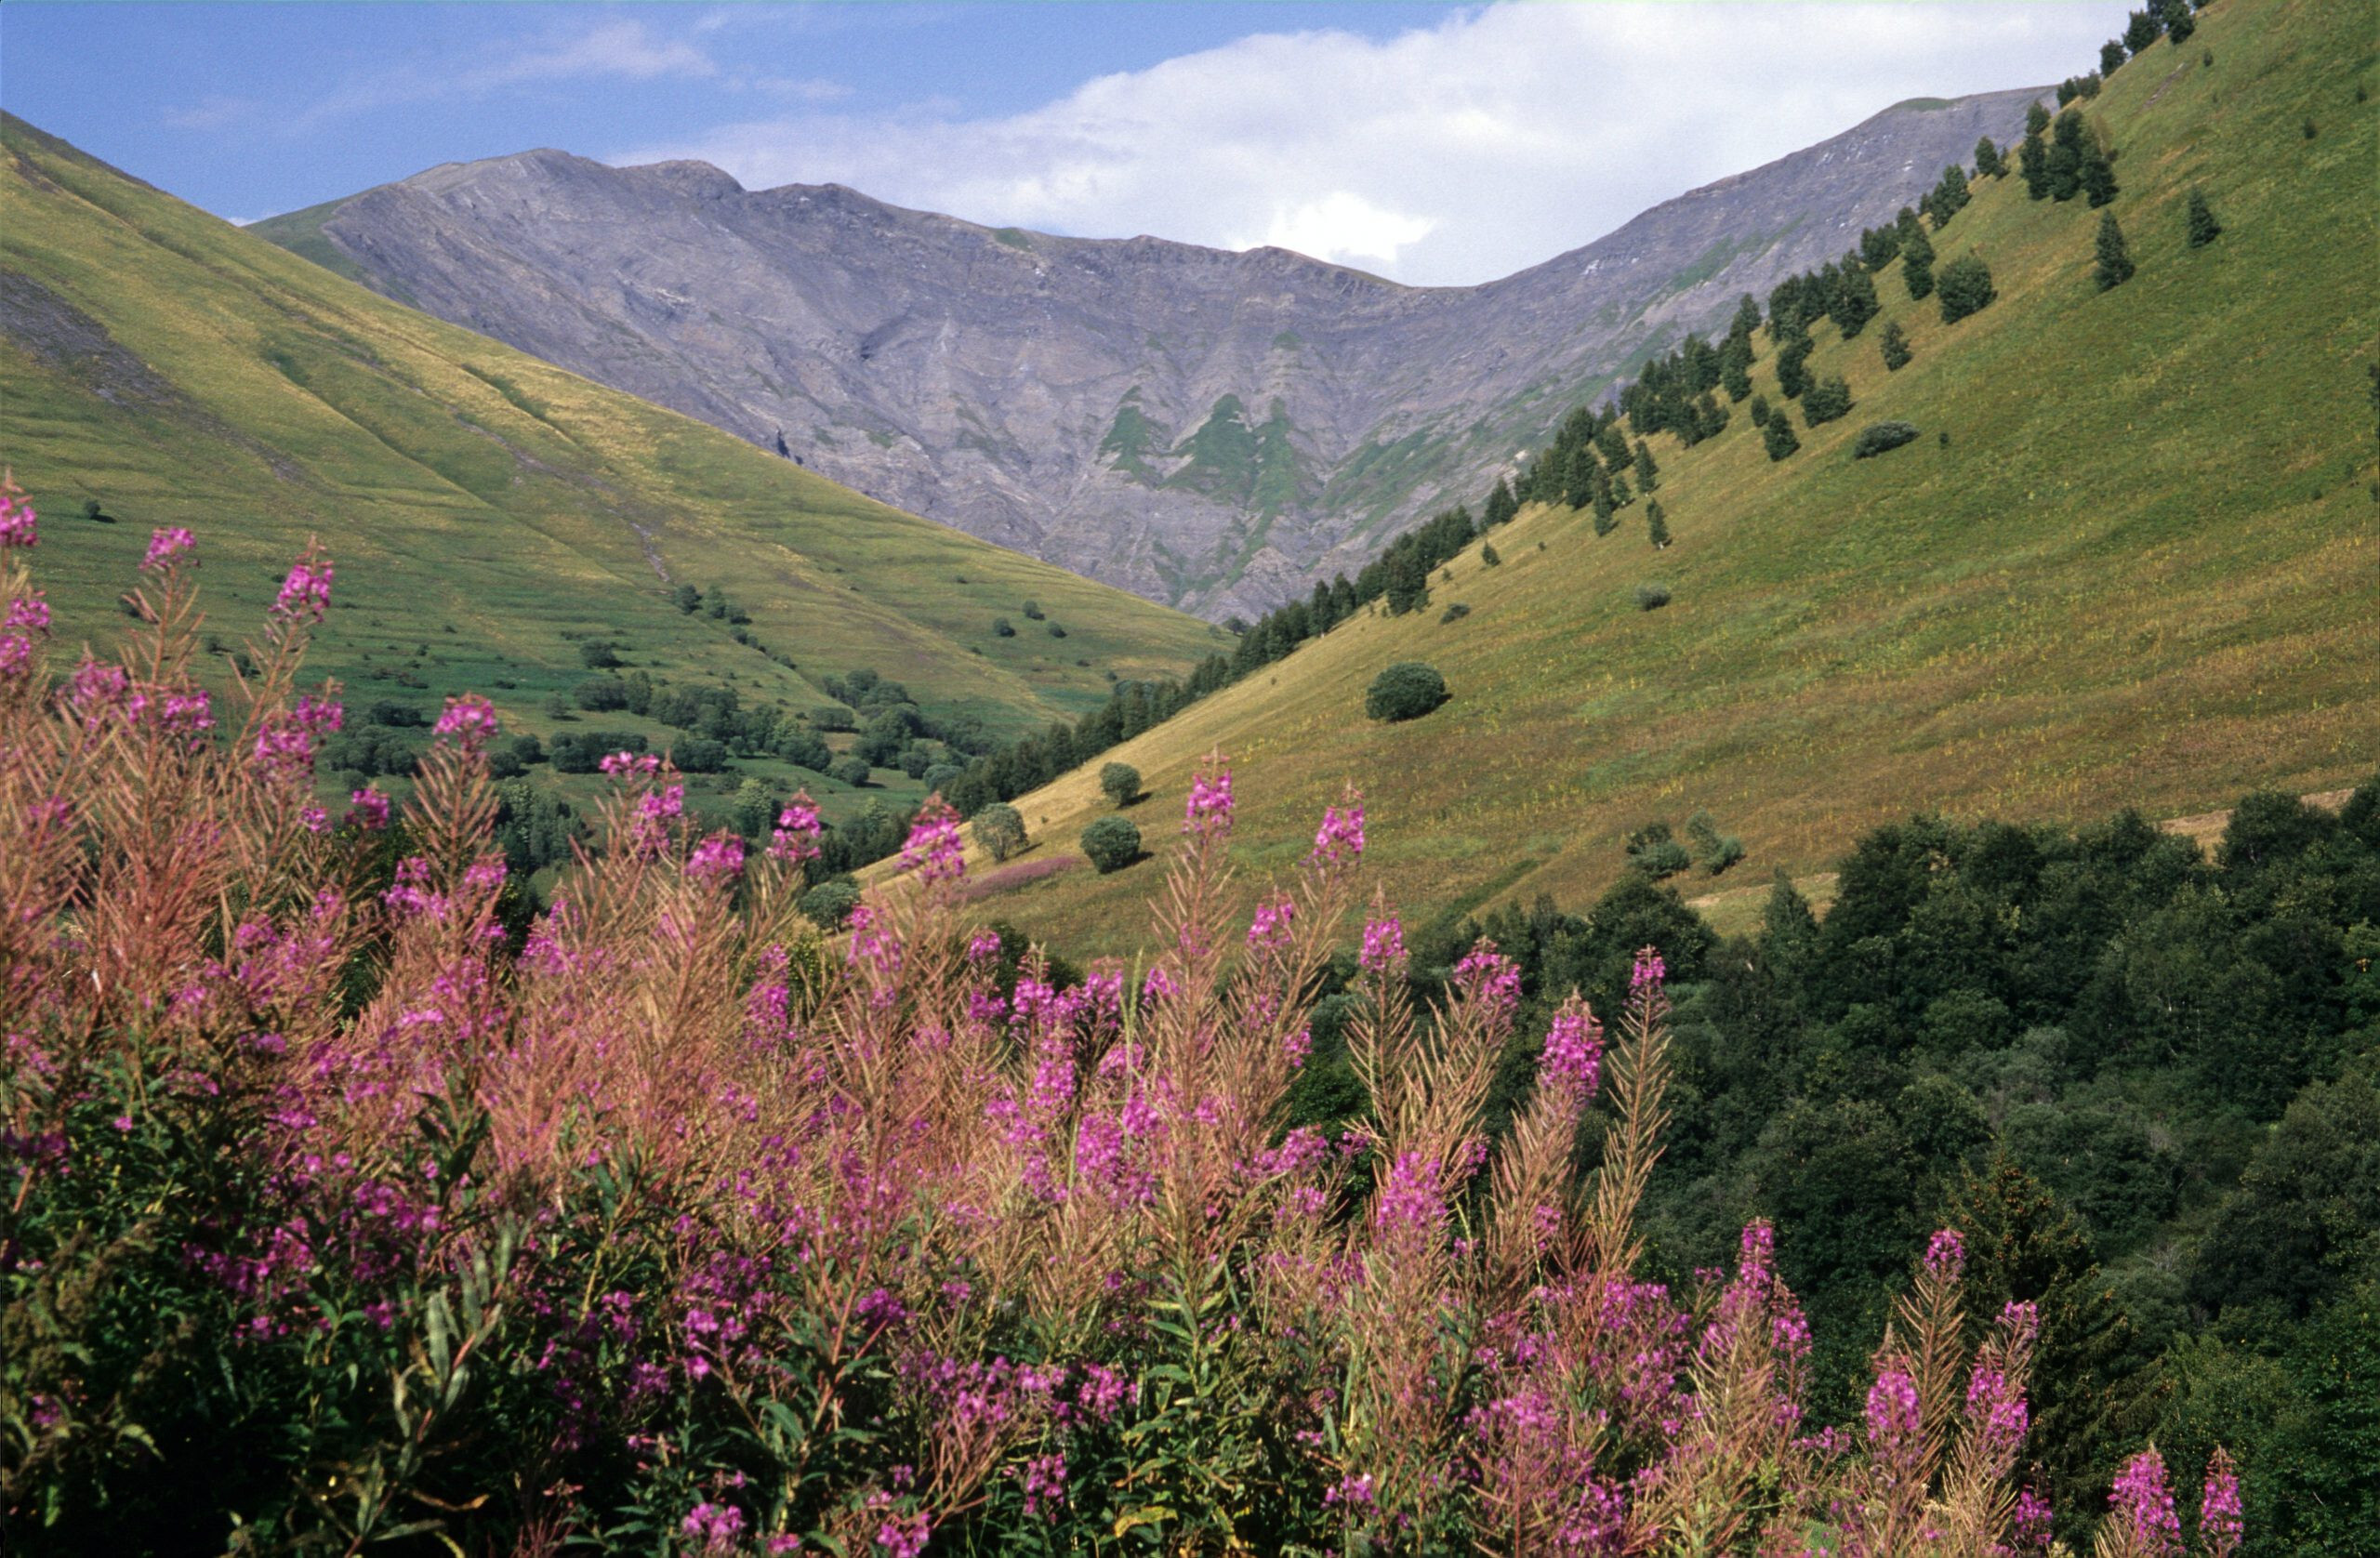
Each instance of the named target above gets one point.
<point>1208,428</point>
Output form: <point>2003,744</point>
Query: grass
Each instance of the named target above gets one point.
<point>487,510</point>
<point>2143,571</point>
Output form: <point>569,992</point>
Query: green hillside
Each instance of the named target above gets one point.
<point>488,513</point>
<point>2133,559</point>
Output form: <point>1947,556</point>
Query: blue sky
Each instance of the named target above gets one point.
<point>1436,144</point>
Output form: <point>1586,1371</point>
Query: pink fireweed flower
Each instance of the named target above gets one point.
<point>718,860</point>
<point>371,810</point>
<point>305,593</point>
<point>1490,980</point>
<point>1572,1061</point>
<point>1340,839</point>
<point>1892,1407</point>
<point>2220,1527</point>
<point>1997,1410</point>
<point>188,713</point>
<point>1208,810</point>
<point>1270,929</point>
<point>983,946</point>
<point>717,1526</point>
<point>1158,986</point>
<point>1383,944</point>
<point>2143,1507</point>
<point>1649,970</point>
<point>1298,1046</point>
<point>95,688</point>
<point>1946,1255</point>
<point>284,745</point>
<point>165,546</point>
<point>628,765</point>
<point>470,721</point>
<point>795,841</point>
<point>904,1536</point>
<point>2032,1521</point>
<point>1410,1200</point>
<point>30,614</point>
<point>934,849</point>
<point>17,517</point>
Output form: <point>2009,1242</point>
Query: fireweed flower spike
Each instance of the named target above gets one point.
<point>2219,1526</point>
<point>469,722</point>
<point>1208,809</point>
<point>2142,1506</point>
<point>1383,944</point>
<point>795,841</point>
<point>17,517</point>
<point>306,593</point>
<point>1340,841</point>
<point>166,547</point>
<point>934,849</point>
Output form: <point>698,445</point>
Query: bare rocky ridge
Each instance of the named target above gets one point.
<point>1212,430</point>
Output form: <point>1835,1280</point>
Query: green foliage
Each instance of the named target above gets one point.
<point>1779,438</point>
<point>1454,611</point>
<point>1111,843</point>
<point>1407,690</point>
<point>2115,266</point>
<point>998,829</point>
<point>1878,437</point>
<point>1760,411</point>
<point>1120,783</point>
<point>849,770</point>
<point>2203,227</point>
<point>1917,262</point>
<point>1490,558</point>
<point>1657,529</point>
<point>1654,851</point>
<point>1894,346</point>
<point>1827,400</point>
<point>1713,852</point>
<point>1965,287</point>
<point>1003,628</point>
<point>830,904</point>
<point>1988,162</point>
<point>1651,597</point>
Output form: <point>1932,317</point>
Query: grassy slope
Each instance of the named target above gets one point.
<point>462,485</point>
<point>2144,572</point>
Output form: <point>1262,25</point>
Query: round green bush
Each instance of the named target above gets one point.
<point>999,828</point>
<point>1877,437</point>
<point>1111,843</point>
<point>1406,691</point>
<point>1652,597</point>
<point>829,903</point>
<point>850,771</point>
<point>1121,783</point>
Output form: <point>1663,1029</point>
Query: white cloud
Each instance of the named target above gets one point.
<point>1454,153</point>
<point>614,50</point>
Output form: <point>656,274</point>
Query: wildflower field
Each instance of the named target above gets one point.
<point>352,1205</point>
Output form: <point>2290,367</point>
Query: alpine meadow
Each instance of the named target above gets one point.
<point>1719,897</point>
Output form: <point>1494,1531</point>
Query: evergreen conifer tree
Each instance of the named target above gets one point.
<point>1621,496</point>
<point>1779,438</point>
<point>2065,164</point>
<point>1826,400</point>
<point>1965,288</point>
<point>2115,262</point>
<point>1988,164</point>
<point>1408,582</point>
<point>2036,119</point>
<point>1735,368</point>
<point>2090,1386</point>
<point>1657,525</point>
<point>1605,521</point>
<point>1760,412</point>
<point>2204,228</point>
<point>2032,166</point>
<point>1950,196</point>
<point>2099,176</point>
<point>2112,55</point>
<point>2175,14</point>
<point>1855,301</point>
<point>1917,264</point>
<point>2141,29</point>
<point>1501,505</point>
<point>1646,469</point>
<point>1895,346</point>
<point>1747,318</point>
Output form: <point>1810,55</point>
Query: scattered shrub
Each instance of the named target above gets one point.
<point>1111,843</point>
<point>1877,437</point>
<point>1965,288</point>
<point>595,654</point>
<point>1033,610</point>
<point>1003,628</point>
<point>1655,852</point>
<point>1404,691</point>
<point>1489,559</point>
<point>1120,783</point>
<point>999,829</point>
<point>601,694</point>
<point>1454,611</point>
<point>830,904</point>
<point>850,771</point>
<point>1713,850</point>
<point>1652,597</point>
<point>699,755</point>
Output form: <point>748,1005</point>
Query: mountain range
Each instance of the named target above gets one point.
<point>1211,429</point>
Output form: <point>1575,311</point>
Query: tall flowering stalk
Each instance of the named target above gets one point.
<point>688,1221</point>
